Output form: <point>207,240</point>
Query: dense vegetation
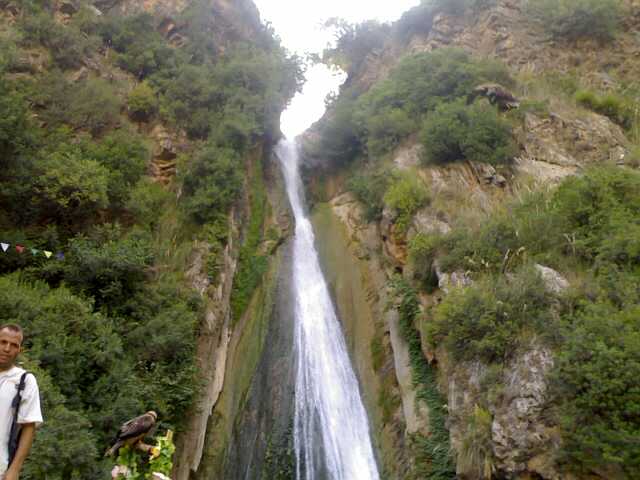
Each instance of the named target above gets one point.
<point>427,92</point>
<point>575,19</point>
<point>587,229</point>
<point>111,324</point>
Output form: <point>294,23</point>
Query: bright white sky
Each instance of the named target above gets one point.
<point>299,25</point>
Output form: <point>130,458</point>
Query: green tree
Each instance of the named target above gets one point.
<point>142,102</point>
<point>596,380</point>
<point>211,183</point>
<point>458,132</point>
<point>72,186</point>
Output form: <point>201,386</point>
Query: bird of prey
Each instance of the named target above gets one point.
<point>133,431</point>
<point>497,95</point>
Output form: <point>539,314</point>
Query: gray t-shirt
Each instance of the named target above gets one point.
<point>29,408</point>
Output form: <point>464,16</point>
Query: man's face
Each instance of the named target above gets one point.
<point>10,345</point>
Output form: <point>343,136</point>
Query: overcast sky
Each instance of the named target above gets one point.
<point>299,25</point>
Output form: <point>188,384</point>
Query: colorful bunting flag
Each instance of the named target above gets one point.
<point>34,251</point>
<point>60,256</point>
<point>47,254</point>
<point>19,248</point>
<point>5,246</point>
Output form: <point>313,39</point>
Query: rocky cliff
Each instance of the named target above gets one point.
<point>516,434</point>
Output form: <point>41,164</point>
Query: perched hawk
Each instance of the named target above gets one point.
<point>133,431</point>
<point>497,95</point>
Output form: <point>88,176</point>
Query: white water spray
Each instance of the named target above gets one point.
<point>331,430</point>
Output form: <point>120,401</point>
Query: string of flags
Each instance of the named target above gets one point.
<point>34,251</point>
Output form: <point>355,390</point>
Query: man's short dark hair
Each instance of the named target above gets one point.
<point>12,327</point>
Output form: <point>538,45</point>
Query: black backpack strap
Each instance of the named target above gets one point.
<point>14,435</point>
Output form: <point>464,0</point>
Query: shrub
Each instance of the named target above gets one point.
<point>91,105</point>
<point>211,183</point>
<point>125,156</point>
<point>600,211</point>
<point>422,253</point>
<point>142,102</point>
<point>596,380</point>
<point>369,188</point>
<point>394,108</point>
<point>611,105</point>
<point>108,266</point>
<point>147,201</point>
<point>475,458</point>
<point>574,19</point>
<point>141,49</point>
<point>457,132</point>
<point>406,195</point>
<point>71,186</point>
<point>68,45</point>
<point>487,320</point>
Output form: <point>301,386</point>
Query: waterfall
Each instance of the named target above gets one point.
<point>331,430</point>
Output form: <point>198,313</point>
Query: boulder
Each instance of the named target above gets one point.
<point>554,282</point>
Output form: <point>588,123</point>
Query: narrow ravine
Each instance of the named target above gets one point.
<point>331,430</point>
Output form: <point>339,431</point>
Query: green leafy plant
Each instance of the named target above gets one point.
<point>488,319</point>
<point>475,458</point>
<point>135,465</point>
<point>457,132</point>
<point>142,102</point>
<point>406,195</point>
<point>574,19</point>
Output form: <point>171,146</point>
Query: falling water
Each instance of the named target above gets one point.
<point>331,430</point>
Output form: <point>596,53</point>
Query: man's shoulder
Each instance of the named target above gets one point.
<point>15,374</point>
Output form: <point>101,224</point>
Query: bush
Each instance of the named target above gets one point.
<point>71,187</point>
<point>457,132</point>
<point>147,201</point>
<point>91,105</point>
<point>574,19</point>
<point>211,183</point>
<point>142,102</point>
<point>475,458</point>
<point>406,195</point>
<point>596,380</point>
<point>600,211</point>
<point>611,105</point>
<point>487,320</point>
<point>393,109</point>
<point>68,45</point>
<point>369,188</point>
<point>109,267</point>
<point>422,253</point>
<point>125,156</point>
<point>141,49</point>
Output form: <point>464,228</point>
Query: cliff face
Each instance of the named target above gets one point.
<point>522,435</point>
<point>106,48</point>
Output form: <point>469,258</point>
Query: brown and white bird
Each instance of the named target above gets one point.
<point>133,431</point>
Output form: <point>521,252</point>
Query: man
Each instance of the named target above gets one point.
<point>29,416</point>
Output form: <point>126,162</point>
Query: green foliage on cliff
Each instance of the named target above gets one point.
<point>370,188</point>
<point>456,132</point>
<point>618,108</point>
<point>252,264</point>
<point>588,229</point>
<point>423,88</point>
<point>596,381</point>
<point>574,19</point>
<point>406,195</point>
<point>489,319</point>
<point>211,183</point>
<point>395,107</point>
<point>111,327</point>
<point>433,454</point>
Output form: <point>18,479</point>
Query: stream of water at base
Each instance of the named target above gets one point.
<point>331,428</point>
